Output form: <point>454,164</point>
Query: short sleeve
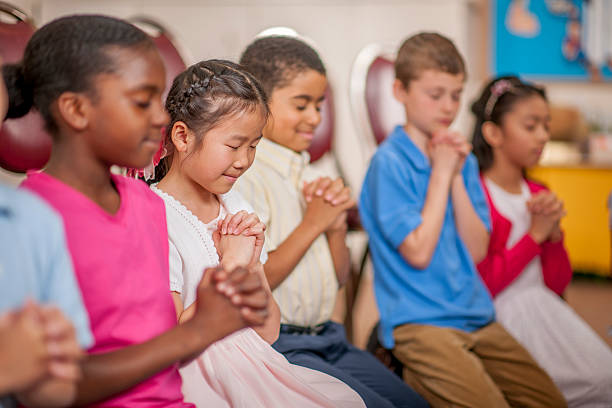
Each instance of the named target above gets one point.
<point>176,269</point>
<point>391,199</point>
<point>475,191</point>
<point>61,288</point>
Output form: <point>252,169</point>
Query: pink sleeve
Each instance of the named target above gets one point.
<point>501,266</point>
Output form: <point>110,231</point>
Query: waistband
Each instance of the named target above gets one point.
<point>312,330</point>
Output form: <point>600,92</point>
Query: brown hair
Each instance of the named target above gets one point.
<point>425,51</point>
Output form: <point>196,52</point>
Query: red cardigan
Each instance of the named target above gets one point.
<point>501,266</point>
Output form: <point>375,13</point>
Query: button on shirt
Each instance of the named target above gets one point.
<point>449,292</point>
<point>273,187</point>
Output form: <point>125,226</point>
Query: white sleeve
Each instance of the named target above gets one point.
<point>176,269</point>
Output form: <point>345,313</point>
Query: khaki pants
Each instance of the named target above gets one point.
<point>486,368</point>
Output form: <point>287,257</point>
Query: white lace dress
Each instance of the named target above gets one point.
<point>241,370</point>
<point>577,360</point>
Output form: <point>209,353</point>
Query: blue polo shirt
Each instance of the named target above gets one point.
<point>34,261</point>
<point>449,292</point>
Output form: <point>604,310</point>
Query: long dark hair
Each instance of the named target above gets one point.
<point>65,55</point>
<point>496,99</point>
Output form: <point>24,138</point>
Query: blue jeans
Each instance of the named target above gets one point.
<point>326,349</point>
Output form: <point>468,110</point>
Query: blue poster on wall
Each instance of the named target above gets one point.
<point>553,39</point>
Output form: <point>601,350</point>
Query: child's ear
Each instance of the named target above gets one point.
<point>182,136</point>
<point>399,91</point>
<point>73,109</point>
<point>492,134</point>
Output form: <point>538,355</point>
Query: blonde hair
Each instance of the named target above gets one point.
<point>425,51</point>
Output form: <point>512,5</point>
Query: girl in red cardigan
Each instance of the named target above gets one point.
<point>526,266</point>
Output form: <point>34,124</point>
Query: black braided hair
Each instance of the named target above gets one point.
<point>203,95</point>
<point>64,56</point>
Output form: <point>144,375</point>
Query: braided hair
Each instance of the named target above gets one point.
<point>203,95</point>
<point>64,56</point>
<point>497,99</point>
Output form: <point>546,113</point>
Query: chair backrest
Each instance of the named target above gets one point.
<point>324,133</point>
<point>24,144</point>
<point>376,112</point>
<point>167,46</point>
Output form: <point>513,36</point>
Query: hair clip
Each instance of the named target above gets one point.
<point>497,90</point>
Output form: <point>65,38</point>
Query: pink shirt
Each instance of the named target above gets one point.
<point>121,263</point>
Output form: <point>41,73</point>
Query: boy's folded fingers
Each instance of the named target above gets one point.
<point>334,189</point>
<point>322,185</point>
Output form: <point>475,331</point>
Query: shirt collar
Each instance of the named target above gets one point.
<point>283,160</point>
<point>404,143</point>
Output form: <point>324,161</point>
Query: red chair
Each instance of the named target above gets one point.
<point>167,46</point>
<point>324,133</point>
<point>375,110</point>
<point>376,113</point>
<point>24,144</point>
<point>174,63</point>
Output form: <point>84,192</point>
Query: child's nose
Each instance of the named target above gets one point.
<point>314,116</point>
<point>161,117</point>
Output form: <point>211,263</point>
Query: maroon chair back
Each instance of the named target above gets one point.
<point>324,133</point>
<point>384,112</point>
<point>167,48</point>
<point>24,144</point>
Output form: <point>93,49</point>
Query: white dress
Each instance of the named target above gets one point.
<point>577,360</point>
<point>241,370</point>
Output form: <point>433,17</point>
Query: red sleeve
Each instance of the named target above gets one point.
<point>556,266</point>
<point>501,266</point>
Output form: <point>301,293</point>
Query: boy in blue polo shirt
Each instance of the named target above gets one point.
<point>425,212</point>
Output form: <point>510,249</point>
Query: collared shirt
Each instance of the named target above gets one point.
<point>273,186</point>
<point>34,261</point>
<point>449,292</point>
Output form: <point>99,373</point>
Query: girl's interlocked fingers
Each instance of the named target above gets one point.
<point>246,291</point>
<point>243,223</point>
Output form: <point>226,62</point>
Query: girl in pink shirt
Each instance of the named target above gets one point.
<point>526,266</point>
<point>97,81</point>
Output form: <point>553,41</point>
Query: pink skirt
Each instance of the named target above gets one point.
<point>243,371</point>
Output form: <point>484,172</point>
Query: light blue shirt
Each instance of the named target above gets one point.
<point>34,261</point>
<point>449,292</point>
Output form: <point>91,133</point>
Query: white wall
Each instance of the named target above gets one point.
<point>340,28</point>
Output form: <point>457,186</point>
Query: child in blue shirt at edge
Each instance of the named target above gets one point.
<point>40,343</point>
<point>428,222</point>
